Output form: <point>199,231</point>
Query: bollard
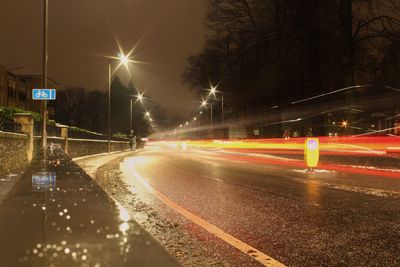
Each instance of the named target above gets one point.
<point>311,153</point>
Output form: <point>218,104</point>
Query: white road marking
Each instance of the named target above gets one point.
<point>128,166</point>
<point>212,178</point>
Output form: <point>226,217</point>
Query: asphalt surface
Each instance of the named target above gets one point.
<point>56,215</point>
<point>326,218</point>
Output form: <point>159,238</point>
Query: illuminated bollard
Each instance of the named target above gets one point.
<point>311,153</point>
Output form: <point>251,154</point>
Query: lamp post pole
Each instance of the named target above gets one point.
<point>222,110</point>
<point>109,107</point>
<point>131,114</point>
<point>211,117</point>
<point>44,78</point>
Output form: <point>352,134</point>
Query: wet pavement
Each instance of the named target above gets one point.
<point>56,215</point>
<point>326,218</point>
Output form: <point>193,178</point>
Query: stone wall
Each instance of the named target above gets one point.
<point>13,152</point>
<point>84,147</point>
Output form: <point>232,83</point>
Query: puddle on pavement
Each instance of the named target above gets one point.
<point>57,216</point>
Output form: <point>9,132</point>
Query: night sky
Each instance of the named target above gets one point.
<point>81,32</point>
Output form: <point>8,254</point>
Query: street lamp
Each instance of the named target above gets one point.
<point>44,79</point>
<point>213,91</point>
<point>123,60</point>
<point>204,104</point>
<point>139,97</point>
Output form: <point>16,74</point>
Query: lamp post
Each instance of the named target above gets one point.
<point>123,60</point>
<point>44,78</point>
<point>204,104</point>
<point>140,98</point>
<point>213,91</point>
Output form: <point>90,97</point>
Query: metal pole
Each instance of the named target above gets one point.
<point>222,111</point>
<point>131,116</point>
<point>211,107</point>
<point>44,78</point>
<point>109,107</point>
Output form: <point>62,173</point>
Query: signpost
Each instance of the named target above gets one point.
<point>44,95</point>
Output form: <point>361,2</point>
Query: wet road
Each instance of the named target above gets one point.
<point>329,218</point>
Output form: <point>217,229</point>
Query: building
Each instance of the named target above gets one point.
<point>16,90</point>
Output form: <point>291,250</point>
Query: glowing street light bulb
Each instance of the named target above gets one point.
<point>124,59</point>
<point>213,90</point>
<point>195,118</point>
<point>204,103</point>
<point>187,123</point>
<point>147,114</point>
<point>140,97</point>
<point>345,124</point>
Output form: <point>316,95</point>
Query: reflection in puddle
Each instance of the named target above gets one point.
<point>43,181</point>
<point>313,192</point>
<point>54,252</point>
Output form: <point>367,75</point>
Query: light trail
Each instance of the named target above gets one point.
<point>346,146</point>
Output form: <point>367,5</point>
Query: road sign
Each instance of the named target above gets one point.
<point>44,94</point>
<point>311,152</point>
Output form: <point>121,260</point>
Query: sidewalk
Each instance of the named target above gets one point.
<point>58,216</point>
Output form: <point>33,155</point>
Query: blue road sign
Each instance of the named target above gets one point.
<point>44,94</point>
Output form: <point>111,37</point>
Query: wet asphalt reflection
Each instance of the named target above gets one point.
<point>57,216</point>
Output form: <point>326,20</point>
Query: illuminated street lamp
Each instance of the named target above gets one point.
<point>213,91</point>
<point>122,59</point>
<point>139,97</point>
<point>204,104</point>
